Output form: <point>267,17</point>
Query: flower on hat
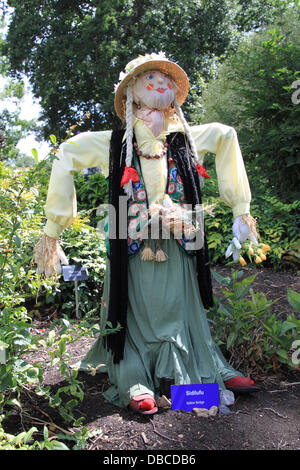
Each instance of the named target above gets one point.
<point>141,59</point>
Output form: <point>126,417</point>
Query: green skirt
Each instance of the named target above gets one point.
<point>168,335</point>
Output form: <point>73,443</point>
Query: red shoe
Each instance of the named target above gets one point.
<point>241,385</point>
<point>144,404</point>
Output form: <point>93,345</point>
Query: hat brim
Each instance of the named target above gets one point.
<point>174,71</point>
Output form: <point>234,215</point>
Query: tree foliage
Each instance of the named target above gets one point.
<point>258,92</point>
<point>73,51</point>
<point>12,127</point>
<point>12,130</point>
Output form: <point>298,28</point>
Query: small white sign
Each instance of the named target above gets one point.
<point>2,355</point>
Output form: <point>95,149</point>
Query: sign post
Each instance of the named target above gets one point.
<point>75,273</point>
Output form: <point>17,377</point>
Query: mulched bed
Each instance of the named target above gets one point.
<point>268,420</point>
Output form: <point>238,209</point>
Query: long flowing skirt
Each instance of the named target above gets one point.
<point>168,335</point>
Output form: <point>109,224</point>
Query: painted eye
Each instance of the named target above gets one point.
<point>150,76</point>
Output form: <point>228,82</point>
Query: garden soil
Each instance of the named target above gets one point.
<point>267,420</point>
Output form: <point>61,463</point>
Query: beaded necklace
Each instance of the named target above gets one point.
<point>151,157</point>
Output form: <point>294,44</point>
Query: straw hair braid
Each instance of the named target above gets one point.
<point>129,135</point>
<point>129,128</point>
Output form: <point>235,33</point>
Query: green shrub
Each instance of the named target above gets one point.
<point>91,192</point>
<point>84,246</point>
<point>21,220</point>
<point>278,222</point>
<point>247,331</point>
<point>257,92</point>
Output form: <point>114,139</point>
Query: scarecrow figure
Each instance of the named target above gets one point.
<point>155,162</point>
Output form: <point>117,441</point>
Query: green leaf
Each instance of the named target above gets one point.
<point>226,309</point>
<point>51,338</point>
<point>35,154</point>
<point>231,339</point>
<point>46,434</point>
<point>78,422</point>
<point>65,322</point>
<point>53,139</point>
<point>29,433</point>
<point>17,240</point>
<point>293,299</point>
<point>62,347</point>
<point>55,361</point>
<point>242,288</point>
<point>14,402</point>
<point>55,401</point>
<point>8,220</point>
<point>224,281</point>
<point>286,326</point>
<point>18,439</point>
<point>33,372</point>
<point>34,191</point>
<point>56,445</point>
<point>71,404</point>
<point>282,353</point>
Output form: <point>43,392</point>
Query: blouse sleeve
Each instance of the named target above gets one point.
<point>232,177</point>
<point>85,150</point>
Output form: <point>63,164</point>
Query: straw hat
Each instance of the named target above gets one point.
<point>150,62</point>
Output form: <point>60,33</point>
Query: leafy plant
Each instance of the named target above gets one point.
<point>91,192</point>
<point>278,222</point>
<point>19,201</point>
<point>24,440</point>
<point>247,330</point>
<point>22,196</point>
<point>83,246</point>
<point>62,333</point>
<point>80,438</point>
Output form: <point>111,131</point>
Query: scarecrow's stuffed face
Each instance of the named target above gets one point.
<point>154,89</point>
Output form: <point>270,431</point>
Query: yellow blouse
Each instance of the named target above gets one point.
<point>90,149</point>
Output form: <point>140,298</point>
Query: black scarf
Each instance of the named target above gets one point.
<point>118,297</point>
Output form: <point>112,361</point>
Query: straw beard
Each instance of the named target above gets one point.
<point>151,106</point>
<point>154,99</point>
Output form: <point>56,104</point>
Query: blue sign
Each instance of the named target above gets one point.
<point>188,397</point>
<point>75,273</point>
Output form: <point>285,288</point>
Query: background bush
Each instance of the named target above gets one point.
<point>278,222</point>
<point>91,191</point>
<point>83,246</point>
<point>244,327</point>
<point>24,295</point>
<point>253,93</point>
